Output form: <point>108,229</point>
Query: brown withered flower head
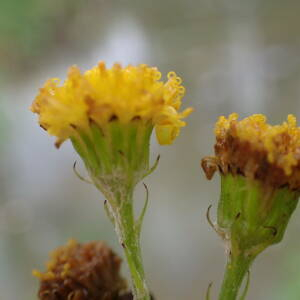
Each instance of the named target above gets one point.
<point>89,271</point>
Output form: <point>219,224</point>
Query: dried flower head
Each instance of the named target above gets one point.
<point>81,272</point>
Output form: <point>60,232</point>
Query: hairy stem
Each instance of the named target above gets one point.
<point>128,233</point>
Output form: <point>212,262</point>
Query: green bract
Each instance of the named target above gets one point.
<point>115,156</point>
<point>253,216</point>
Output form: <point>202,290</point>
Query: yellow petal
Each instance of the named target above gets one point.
<point>166,134</point>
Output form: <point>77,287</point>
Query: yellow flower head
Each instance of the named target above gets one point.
<point>102,95</point>
<point>71,268</point>
<point>258,150</point>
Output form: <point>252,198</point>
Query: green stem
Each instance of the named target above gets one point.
<point>236,269</point>
<point>128,233</point>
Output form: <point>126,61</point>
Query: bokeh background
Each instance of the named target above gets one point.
<point>240,56</point>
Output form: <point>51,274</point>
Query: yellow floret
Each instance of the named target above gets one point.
<point>280,142</point>
<point>101,94</point>
<point>60,256</point>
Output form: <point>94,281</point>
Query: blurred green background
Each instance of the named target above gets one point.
<point>240,56</point>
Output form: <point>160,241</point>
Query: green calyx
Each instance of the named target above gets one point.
<point>253,216</point>
<point>115,155</point>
